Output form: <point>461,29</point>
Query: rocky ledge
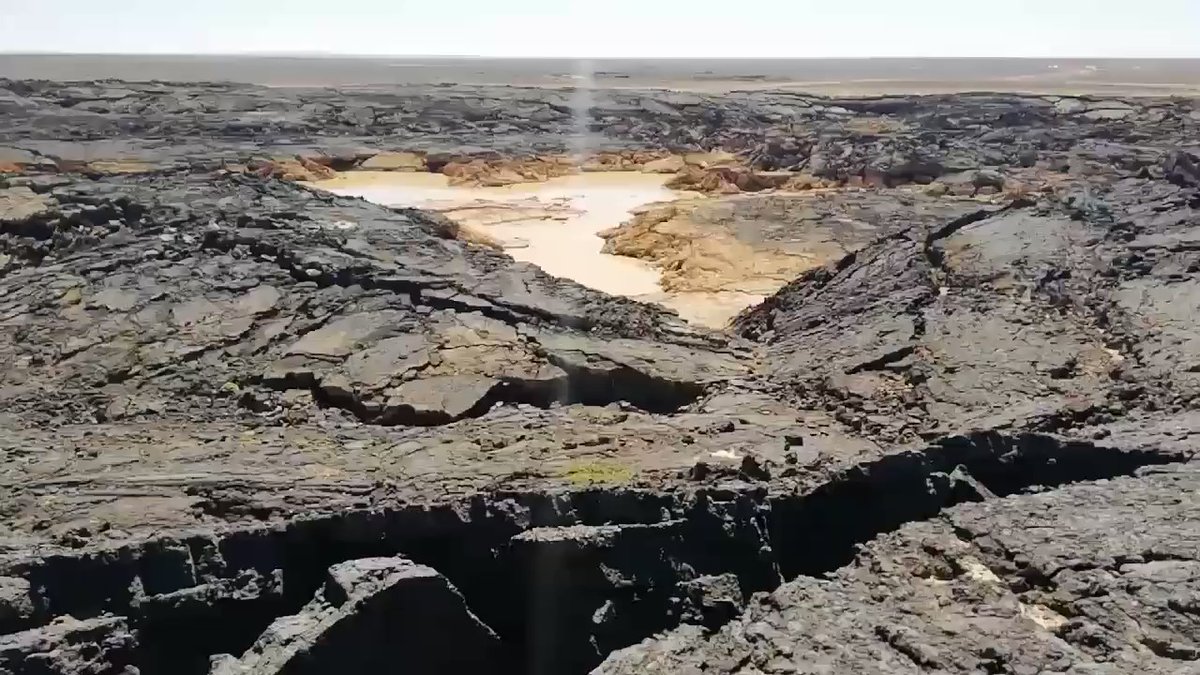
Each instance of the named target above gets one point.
<point>250,427</point>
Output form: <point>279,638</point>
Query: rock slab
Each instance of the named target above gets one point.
<point>373,615</point>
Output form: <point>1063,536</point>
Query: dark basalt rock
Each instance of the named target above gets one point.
<point>557,583</point>
<point>1182,168</point>
<point>541,589</point>
<point>963,447</point>
<point>99,646</point>
<point>373,615</point>
<point>1092,578</point>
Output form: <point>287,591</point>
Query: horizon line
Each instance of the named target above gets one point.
<point>351,55</point>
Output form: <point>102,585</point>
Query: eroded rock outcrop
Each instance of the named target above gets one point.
<point>374,614</point>
<point>1095,578</point>
<point>1038,300</point>
<point>374,314</point>
<point>757,243</point>
<point>100,646</point>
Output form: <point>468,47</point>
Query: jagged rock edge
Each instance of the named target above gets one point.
<point>883,495</point>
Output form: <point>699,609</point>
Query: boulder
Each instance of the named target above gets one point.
<point>19,204</point>
<point>672,164</point>
<point>286,168</point>
<point>373,615</point>
<point>1182,168</point>
<point>100,646</point>
<point>711,159</point>
<point>395,161</point>
<point>16,600</point>
<point>438,399</point>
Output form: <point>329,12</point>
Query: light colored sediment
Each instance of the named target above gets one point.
<point>714,171</point>
<point>552,224</point>
<point>290,168</point>
<point>707,308</point>
<point>395,161</point>
<point>736,249</point>
<point>704,257</point>
<point>496,172</point>
<point>557,225</point>
<point>699,247</point>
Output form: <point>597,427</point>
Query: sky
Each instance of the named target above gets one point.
<point>609,28</point>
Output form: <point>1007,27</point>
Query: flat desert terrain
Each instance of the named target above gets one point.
<point>823,76</point>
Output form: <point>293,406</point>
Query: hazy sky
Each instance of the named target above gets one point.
<point>606,28</point>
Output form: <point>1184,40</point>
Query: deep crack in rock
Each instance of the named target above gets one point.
<point>563,580</point>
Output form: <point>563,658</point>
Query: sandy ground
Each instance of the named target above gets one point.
<point>851,77</point>
<point>554,225</point>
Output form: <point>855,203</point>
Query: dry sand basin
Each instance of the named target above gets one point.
<point>555,225</point>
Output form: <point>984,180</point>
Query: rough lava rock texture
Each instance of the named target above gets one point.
<point>246,425</point>
<point>1091,578</point>
<point>372,615</point>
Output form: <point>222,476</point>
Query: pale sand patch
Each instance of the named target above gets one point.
<point>975,570</point>
<point>554,225</point>
<point>712,309</point>
<point>1044,617</point>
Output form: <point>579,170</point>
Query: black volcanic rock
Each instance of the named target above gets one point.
<point>99,646</point>
<point>216,387</point>
<point>372,615</point>
<point>1095,578</point>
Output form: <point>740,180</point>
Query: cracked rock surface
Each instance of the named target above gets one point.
<point>244,423</point>
<point>370,614</point>
<point>1092,578</point>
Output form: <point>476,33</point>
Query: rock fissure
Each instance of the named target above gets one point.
<point>553,583</point>
<point>820,531</point>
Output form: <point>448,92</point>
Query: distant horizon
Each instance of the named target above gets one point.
<point>353,55</point>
